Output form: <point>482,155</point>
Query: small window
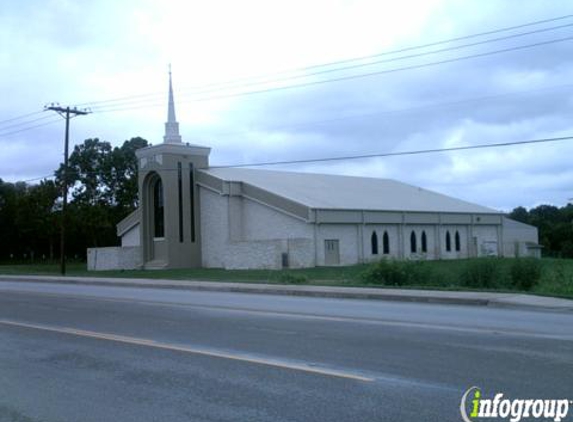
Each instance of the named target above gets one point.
<point>413,246</point>
<point>457,240</point>
<point>386,243</point>
<point>448,242</point>
<point>424,242</point>
<point>374,243</point>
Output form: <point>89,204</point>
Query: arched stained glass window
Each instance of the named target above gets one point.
<point>374,243</point>
<point>424,242</point>
<point>413,247</point>
<point>457,240</point>
<point>448,242</point>
<point>386,243</point>
<point>158,212</point>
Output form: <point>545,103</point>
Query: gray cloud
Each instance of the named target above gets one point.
<point>96,50</point>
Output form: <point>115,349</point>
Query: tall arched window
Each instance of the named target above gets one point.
<point>158,220</point>
<point>448,242</point>
<point>457,240</point>
<point>413,246</point>
<point>386,243</point>
<point>374,243</point>
<point>424,242</point>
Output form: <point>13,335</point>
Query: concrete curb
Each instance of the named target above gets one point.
<point>501,300</point>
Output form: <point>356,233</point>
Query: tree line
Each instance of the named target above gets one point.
<point>103,190</point>
<point>555,225</point>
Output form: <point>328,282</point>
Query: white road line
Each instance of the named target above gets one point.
<point>204,352</point>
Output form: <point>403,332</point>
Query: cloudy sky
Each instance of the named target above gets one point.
<point>266,81</point>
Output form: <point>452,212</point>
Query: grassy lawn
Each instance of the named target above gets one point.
<point>555,275</point>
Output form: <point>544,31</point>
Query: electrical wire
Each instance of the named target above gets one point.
<point>348,77</point>
<point>400,153</point>
<point>401,110</point>
<point>363,156</point>
<point>373,63</point>
<point>307,68</point>
<point>20,117</point>
<point>27,122</point>
<point>6,134</point>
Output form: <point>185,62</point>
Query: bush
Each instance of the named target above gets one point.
<point>289,278</point>
<point>525,273</point>
<point>396,273</point>
<point>483,273</point>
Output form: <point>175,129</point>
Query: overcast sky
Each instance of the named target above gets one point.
<point>247,84</point>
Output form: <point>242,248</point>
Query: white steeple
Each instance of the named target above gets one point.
<point>172,135</point>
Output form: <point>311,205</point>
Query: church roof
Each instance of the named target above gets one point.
<point>324,191</point>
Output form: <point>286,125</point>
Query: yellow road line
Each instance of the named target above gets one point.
<point>204,352</point>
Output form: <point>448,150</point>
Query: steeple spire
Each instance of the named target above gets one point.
<point>172,135</point>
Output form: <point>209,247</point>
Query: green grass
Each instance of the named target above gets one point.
<point>555,276</point>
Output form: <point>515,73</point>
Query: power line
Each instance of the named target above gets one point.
<point>368,64</point>
<point>402,110</point>
<point>20,117</point>
<point>27,122</point>
<point>304,69</point>
<point>400,153</point>
<point>6,134</point>
<point>375,155</point>
<point>350,77</point>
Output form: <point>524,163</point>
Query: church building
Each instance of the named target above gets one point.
<point>193,215</point>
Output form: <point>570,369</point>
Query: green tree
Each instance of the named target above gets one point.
<point>104,190</point>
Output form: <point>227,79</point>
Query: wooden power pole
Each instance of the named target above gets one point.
<point>66,113</point>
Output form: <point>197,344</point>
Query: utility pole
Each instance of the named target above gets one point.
<point>66,113</point>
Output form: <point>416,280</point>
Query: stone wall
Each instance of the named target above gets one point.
<point>131,237</point>
<point>240,233</point>
<point>114,258</point>
<point>243,233</point>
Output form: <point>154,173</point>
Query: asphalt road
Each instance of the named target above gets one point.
<point>85,353</point>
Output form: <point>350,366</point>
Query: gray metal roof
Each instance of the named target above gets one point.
<point>324,191</point>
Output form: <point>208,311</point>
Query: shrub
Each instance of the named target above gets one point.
<point>289,278</point>
<point>525,273</point>
<point>483,273</point>
<point>396,273</point>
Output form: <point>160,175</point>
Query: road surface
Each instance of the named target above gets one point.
<point>87,353</point>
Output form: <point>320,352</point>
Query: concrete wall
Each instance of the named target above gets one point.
<point>352,235</point>
<point>114,258</point>
<point>215,226</point>
<point>486,240</point>
<point>465,247</point>
<point>348,239</point>
<point>131,237</point>
<point>240,233</point>
<point>520,240</point>
<point>393,233</point>
<point>243,233</point>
